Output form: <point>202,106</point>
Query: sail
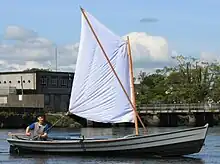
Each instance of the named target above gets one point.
<point>96,93</point>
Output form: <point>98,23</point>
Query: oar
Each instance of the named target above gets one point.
<point>16,134</point>
<point>35,137</point>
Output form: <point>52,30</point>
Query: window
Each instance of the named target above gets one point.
<point>10,82</point>
<point>19,81</point>
<point>29,81</point>
<point>5,82</point>
<point>63,82</point>
<point>43,81</point>
<point>54,81</point>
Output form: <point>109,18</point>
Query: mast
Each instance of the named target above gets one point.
<point>22,91</point>
<point>102,49</point>
<point>132,85</point>
<point>56,56</point>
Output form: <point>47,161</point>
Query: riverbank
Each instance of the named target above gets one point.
<point>15,120</point>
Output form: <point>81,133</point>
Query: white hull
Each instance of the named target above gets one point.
<point>176,143</point>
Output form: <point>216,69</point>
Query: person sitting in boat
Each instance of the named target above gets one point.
<point>40,128</point>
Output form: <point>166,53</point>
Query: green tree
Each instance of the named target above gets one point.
<point>37,69</point>
<point>190,81</point>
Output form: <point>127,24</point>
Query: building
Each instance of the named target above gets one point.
<point>55,86</point>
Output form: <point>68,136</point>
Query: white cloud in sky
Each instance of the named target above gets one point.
<point>14,32</point>
<point>149,52</point>
<point>145,46</point>
<point>209,57</point>
<point>31,51</point>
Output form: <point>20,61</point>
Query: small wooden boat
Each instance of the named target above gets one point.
<point>103,91</point>
<point>176,143</point>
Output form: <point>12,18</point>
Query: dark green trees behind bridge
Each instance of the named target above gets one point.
<point>189,81</point>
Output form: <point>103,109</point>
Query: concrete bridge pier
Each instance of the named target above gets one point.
<point>203,118</point>
<point>210,119</point>
<point>168,119</point>
<point>200,119</point>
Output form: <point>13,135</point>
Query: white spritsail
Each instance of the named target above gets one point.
<point>96,93</point>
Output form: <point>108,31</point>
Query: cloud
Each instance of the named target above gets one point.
<point>13,32</point>
<point>38,42</point>
<point>29,51</point>
<point>149,52</point>
<point>149,20</point>
<point>145,46</point>
<point>24,53</point>
<point>209,57</point>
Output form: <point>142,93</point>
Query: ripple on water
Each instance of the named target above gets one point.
<point>210,152</point>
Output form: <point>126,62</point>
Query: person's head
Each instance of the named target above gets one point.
<point>41,118</point>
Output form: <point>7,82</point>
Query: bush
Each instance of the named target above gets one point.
<point>15,120</point>
<point>65,121</point>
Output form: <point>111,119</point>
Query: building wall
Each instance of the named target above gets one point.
<point>54,83</point>
<point>14,80</point>
<point>56,86</point>
<point>6,90</point>
<point>27,101</point>
<point>3,99</point>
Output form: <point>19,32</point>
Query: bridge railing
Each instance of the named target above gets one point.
<point>179,106</point>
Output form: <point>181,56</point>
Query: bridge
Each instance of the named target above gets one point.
<point>170,114</point>
<point>179,108</point>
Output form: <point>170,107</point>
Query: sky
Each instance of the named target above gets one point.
<point>185,27</point>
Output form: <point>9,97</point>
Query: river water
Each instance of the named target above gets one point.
<point>210,152</point>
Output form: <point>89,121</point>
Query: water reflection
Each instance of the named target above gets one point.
<point>36,159</point>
